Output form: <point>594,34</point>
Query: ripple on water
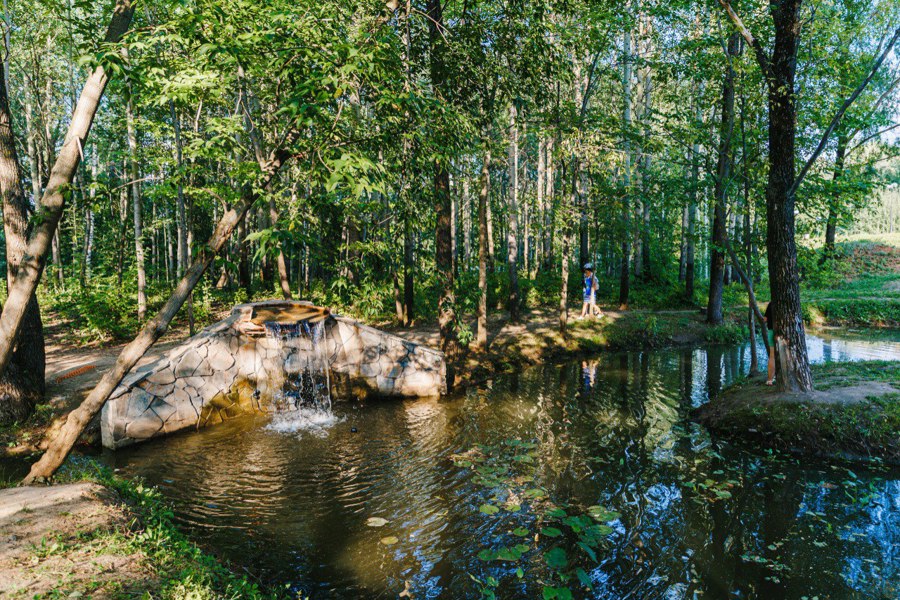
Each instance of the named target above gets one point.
<point>289,498</point>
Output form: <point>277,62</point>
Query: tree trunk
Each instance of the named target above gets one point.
<point>22,385</point>
<point>624,278</point>
<point>549,221</point>
<point>834,197</point>
<point>723,173</point>
<point>792,364</point>
<point>512,236</point>
<point>134,173</point>
<point>484,192</point>
<point>180,208</point>
<point>682,255</point>
<point>443,244</point>
<point>408,268</point>
<point>78,419</point>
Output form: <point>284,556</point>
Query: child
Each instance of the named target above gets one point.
<point>590,292</point>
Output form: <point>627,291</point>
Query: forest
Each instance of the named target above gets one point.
<point>461,174</point>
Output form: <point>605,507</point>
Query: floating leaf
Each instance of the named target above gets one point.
<point>489,509</point>
<point>535,493</point>
<point>556,558</point>
<point>509,554</point>
<point>389,540</point>
<point>602,514</point>
<point>513,507</point>
<point>588,550</point>
<point>551,532</point>
<point>487,555</point>
<point>584,579</point>
<point>557,593</point>
<point>376,522</point>
<point>520,531</point>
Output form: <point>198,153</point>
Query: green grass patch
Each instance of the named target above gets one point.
<point>181,569</point>
<point>867,312</point>
<point>848,424</point>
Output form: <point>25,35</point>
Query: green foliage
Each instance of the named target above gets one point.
<point>639,331</point>
<point>727,333</point>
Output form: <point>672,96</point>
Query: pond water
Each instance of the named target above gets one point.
<point>682,516</point>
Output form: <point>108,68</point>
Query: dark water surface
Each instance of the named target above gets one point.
<point>698,518</point>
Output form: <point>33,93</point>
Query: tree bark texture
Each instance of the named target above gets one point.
<point>792,365</point>
<point>723,174</point>
<point>512,235</point>
<point>22,385</point>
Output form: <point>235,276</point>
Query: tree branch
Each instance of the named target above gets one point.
<point>761,56</point>
<point>843,109</point>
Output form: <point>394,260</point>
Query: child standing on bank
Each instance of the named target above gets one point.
<point>590,293</point>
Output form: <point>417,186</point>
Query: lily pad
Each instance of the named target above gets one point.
<point>389,540</point>
<point>376,522</point>
<point>489,509</point>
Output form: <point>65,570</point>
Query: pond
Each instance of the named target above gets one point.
<point>582,477</point>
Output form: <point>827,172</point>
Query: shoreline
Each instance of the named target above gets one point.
<point>853,414</point>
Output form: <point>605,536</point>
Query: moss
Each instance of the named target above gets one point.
<point>854,412</point>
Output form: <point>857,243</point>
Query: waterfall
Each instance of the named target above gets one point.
<point>304,401</point>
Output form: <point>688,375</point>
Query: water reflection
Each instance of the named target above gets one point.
<point>698,518</point>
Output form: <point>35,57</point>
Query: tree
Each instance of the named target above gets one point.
<point>53,201</point>
<point>723,174</point>
<point>22,385</point>
<point>780,69</point>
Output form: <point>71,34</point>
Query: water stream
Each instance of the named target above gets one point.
<point>304,402</point>
<point>610,431</point>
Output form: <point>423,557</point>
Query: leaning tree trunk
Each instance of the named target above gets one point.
<point>53,201</point>
<point>65,439</point>
<point>723,173</point>
<point>22,385</point>
<point>792,364</point>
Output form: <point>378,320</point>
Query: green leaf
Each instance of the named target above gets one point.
<point>487,555</point>
<point>389,540</point>
<point>556,558</point>
<point>489,509</point>
<point>520,531</point>
<point>551,532</point>
<point>584,579</point>
<point>588,550</point>
<point>602,514</point>
<point>557,593</point>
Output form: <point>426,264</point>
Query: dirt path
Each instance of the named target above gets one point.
<point>53,540</point>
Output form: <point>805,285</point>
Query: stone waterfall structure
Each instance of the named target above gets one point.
<point>237,366</point>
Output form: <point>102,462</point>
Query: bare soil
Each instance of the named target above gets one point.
<point>61,541</point>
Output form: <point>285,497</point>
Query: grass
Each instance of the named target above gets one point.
<point>861,426</point>
<point>181,570</point>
